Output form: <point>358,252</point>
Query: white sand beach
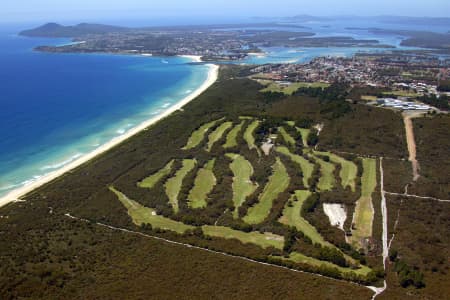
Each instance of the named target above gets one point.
<point>194,58</point>
<point>15,195</point>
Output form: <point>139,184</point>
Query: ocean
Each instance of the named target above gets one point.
<point>56,107</point>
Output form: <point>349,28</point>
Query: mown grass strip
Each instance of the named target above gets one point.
<point>364,211</point>
<point>144,215</point>
<point>263,240</point>
<point>293,87</point>
<point>306,167</point>
<point>286,136</point>
<point>173,185</point>
<point>300,258</point>
<point>203,185</point>
<point>327,180</point>
<point>305,134</point>
<point>290,123</point>
<point>153,179</point>
<point>198,135</point>
<point>292,217</point>
<point>217,134</point>
<point>348,171</point>
<point>248,134</point>
<point>232,136</point>
<point>278,182</point>
<point>242,185</point>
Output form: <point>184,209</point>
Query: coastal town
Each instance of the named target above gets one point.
<point>216,43</point>
<point>391,80</point>
<point>225,149</point>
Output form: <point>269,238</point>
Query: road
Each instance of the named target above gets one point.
<point>384,236</point>
<point>410,140</point>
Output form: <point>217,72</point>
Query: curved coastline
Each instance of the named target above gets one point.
<point>16,194</point>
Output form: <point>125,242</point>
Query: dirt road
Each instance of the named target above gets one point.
<point>409,129</point>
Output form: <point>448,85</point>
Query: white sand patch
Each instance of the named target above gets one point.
<point>336,213</point>
<point>194,58</point>
<point>267,146</point>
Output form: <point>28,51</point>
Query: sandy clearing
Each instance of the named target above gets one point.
<point>410,140</point>
<point>337,214</point>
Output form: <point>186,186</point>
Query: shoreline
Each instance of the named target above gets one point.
<point>194,58</point>
<point>16,194</point>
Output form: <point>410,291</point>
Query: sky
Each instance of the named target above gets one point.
<point>91,10</point>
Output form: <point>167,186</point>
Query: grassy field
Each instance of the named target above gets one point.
<point>248,134</point>
<point>369,98</point>
<point>327,180</point>
<point>306,167</point>
<point>232,136</point>
<point>290,123</point>
<point>144,215</point>
<point>364,211</point>
<point>217,134</point>
<point>348,171</point>
<point>173,185</point>
<point>286,136</point>
<point>203,185</point>
<point>300,258</point>
<point>198,135</point>
<point>292,88</point>
<point>153,179</point>
<point>292,217</point>
<point>83,192</point>
<point>242,185</point>
<point>402,94</point>
<point>305,133</point>
<point>278,182</point>
<point>263,240</point>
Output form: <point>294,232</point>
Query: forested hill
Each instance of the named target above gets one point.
<point>57,30</point>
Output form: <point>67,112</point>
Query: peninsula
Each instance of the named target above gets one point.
<point>214,43</point>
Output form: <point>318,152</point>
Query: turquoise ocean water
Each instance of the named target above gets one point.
<point>56,107</point>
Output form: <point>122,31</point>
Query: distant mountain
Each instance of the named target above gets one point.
<point>382,19</point>
<point>422,39</point>
<point>57,30</point>
<point>308,18</point>
<point>414,20</point>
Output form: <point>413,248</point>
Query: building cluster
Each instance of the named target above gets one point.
<point>402,104</point>
<point>209,44</point>
<point>415,74</point>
